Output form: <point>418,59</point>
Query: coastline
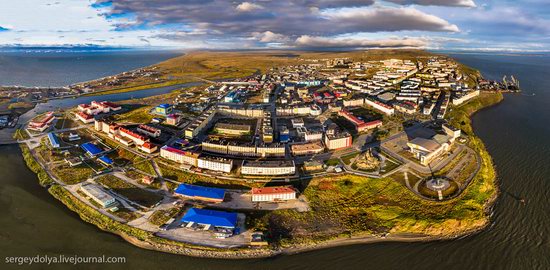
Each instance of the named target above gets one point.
<point>147,240</point>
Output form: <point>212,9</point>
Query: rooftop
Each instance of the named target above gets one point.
<point>200,191</point>
<point>211,217</point>
<point>268,163</point>
<point>273,190</point>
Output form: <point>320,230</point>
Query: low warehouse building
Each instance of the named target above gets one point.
<point>91,149</point>
<point>200,193</point>
<point>210,218</point>
<point>98,195</point>
<point>54,141</point>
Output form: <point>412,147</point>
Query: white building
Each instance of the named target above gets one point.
<point>179,156</point>
<point>98,195</point>
<point>268,167</point>
<point>215,164</point>
<point>464,98</point>
<point>386,109</point>
<point>270,194</point>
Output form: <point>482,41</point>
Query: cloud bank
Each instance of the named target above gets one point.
<point>271,21</point>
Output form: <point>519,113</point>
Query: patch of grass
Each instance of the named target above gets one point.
<point>160,217</point>
<point>43,177</point>
<point>126,214</point>
<point>129,191</point>
<point>72,175</point>
<point>144,165</point>
<point>347,159</point>
<point>139,115</point>
<point>333,162</point>
<point>21,134</point>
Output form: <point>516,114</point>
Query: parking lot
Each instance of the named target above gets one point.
<point>206,238</point>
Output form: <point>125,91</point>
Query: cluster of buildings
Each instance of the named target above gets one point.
<point>405,86</point>
<point>223,223</point>
<point>151,73</point>
<point>86,112</point>
<point>139,137</point>
<point>273,130</point>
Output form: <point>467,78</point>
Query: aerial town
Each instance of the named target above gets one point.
<point>182,174</point>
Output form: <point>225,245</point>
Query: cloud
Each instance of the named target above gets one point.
<point>248,7</point>
<point>450,3</point>
<point>511,20</point>
<point>306,41</point>
<point>287,18</point>
<point>269,36</point>
<point>389,19</point>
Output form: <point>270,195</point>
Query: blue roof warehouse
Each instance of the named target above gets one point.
<point>91,149</point>
<point>106,160</point>
<point>200,193</point>
<point>54,141</point>
<point>212,218</point>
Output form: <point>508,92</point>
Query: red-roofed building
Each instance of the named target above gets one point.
<point>138,139</point>
<point>359,124</point>
<point>149,131</point>
<point>42,123</point>
<point>148,148</point>
<point>96,107</point>
<point>270,194</point>
<point>85,118</point>
<point>113,106</point>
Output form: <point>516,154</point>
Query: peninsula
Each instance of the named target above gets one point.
<point>274,152</point>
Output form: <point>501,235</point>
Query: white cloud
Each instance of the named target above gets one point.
<point>326,42</point>
<point>389,19</point>
<point>451,3</point>
<point>248,7</point>
<point>269,36</point>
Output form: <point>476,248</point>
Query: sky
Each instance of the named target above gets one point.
<point>471,25</point>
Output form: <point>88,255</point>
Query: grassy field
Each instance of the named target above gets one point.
<point>34,166</point>
<point>144,165</point>
<point>72,175</point>
<point>347,158</point>
<point>21,134</point>
<point>136,114</point>
<point>333,162</point>
<point>133,193</point>
<point>160,217</point>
